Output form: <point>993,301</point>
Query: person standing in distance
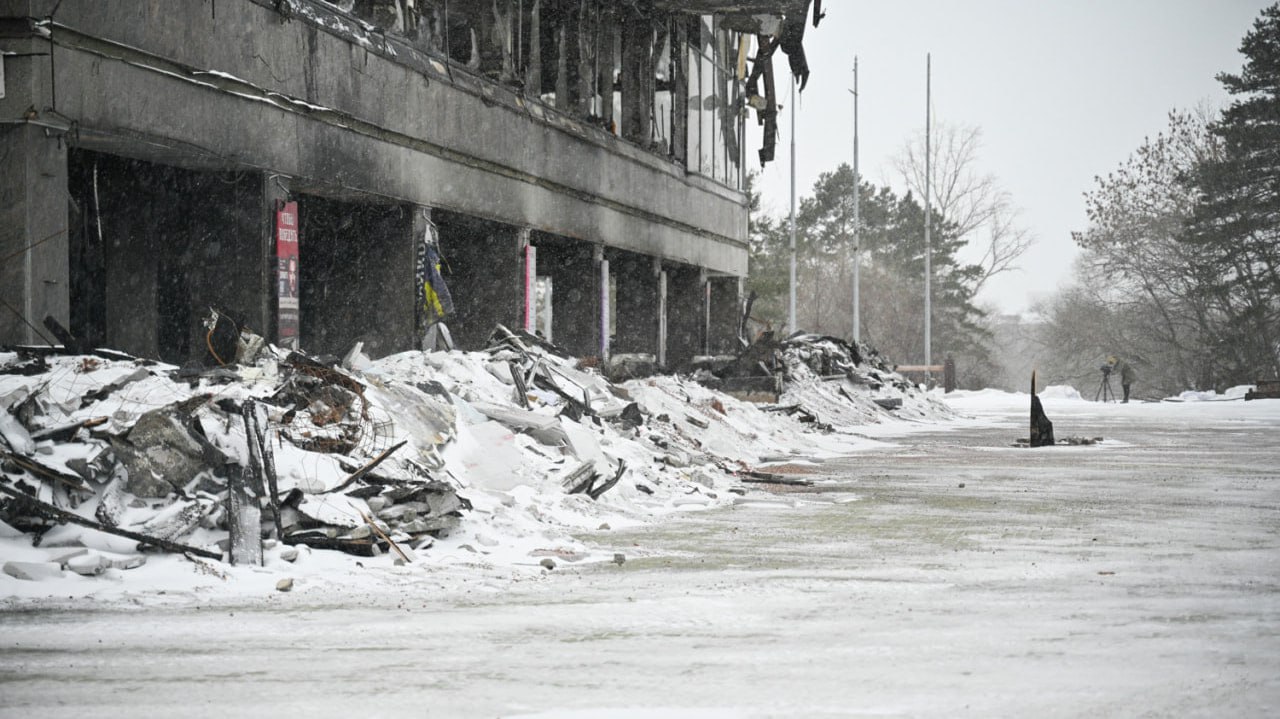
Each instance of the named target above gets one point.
<point>1127,377</point>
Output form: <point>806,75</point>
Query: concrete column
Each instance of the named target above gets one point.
<point>357,265</point>
<point>484,269</point>
<point>388,297</point>
<point>574,272</point>
<point>529,301</point>
<point>637,303</point>
<point>686,314</point>
<point>662,314</point>
<point>604,303</point>
<point>34,270</point>
<point>725,308</point>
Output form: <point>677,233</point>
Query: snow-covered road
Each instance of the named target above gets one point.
<point>951,575</point>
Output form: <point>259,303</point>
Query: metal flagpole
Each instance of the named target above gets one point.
<point>791,314</point>
<point>928,246</point>
<point>857,191</point>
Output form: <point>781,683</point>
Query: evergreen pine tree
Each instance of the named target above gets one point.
<point>1237,220</point>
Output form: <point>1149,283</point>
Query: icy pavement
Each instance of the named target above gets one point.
<point>1139,577</point>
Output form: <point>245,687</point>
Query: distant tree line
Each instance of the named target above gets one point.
<point>1180,273</point>
<point>891,277</point>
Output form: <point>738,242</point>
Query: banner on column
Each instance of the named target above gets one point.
<point>433,294</point>
<point>287,274</point>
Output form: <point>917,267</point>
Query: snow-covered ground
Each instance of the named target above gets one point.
<point>942,572</point>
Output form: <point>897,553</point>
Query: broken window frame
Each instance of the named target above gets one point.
<point>708,147</point>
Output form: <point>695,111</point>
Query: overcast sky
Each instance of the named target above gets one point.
<point>1063,90</point>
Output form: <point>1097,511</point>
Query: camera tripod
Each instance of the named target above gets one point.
<point>1104,389</point>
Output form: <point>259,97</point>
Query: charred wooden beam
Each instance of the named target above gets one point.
<point>360,473</point>
<point>562,63</point>
<point>586,33</point>
<point>680,91</point>
<point>637,75</point>
<point>533,70</point>
<point>244,519</point>
<point>606,64</point>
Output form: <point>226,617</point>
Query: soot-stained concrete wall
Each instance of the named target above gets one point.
<point>155,247</point>
<point>33,232</point>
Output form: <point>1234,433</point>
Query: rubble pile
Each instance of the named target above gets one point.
<point>133,448</point>
<point>843,385</point>
<point>823,381</point>
<point>105,456</point>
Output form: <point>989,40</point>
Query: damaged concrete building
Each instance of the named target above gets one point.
<point>573,167</point>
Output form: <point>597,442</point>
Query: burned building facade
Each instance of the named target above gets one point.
<point>570,166</point>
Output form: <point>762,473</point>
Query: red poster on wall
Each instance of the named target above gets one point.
<point>287,273</point>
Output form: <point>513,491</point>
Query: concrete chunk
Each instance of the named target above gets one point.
<point>33,571</point>
<point>90,564</point>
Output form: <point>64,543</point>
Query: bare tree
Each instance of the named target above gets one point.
<point>972,202</point>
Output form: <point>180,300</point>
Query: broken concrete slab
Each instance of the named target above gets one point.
<point>33,571</point>
<point>335,511</point>
<point>15,435</point>
<point>159,454</point>
<point>582,442</point>
<point>544,428</point>
<point>489,456</point>
<point>89,564</point>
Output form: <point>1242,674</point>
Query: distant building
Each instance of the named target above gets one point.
<point>579,162</point>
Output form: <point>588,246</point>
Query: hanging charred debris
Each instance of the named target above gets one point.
<point>576,54</point>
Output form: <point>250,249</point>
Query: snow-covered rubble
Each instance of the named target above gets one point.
<point>413,462</point>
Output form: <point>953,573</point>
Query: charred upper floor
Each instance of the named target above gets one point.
<point>597,129</point>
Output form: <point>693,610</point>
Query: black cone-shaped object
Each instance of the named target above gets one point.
<point>1041,427</point>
